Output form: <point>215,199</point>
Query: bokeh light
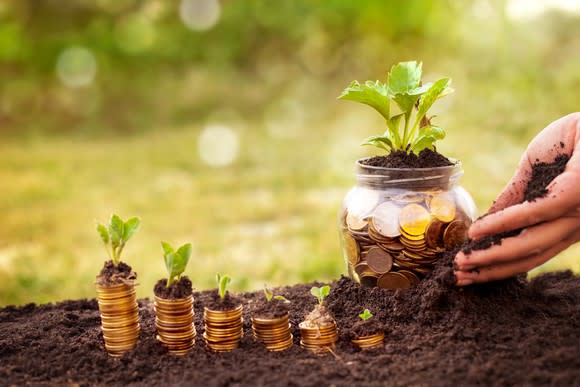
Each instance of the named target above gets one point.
<point>76,67</point>
<point>218,145</point>
<point>199,15</point>
<point>528,9</point>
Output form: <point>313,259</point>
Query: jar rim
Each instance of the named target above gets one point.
<point>456,164</point>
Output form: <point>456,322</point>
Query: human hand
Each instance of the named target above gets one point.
<point>549,224</point>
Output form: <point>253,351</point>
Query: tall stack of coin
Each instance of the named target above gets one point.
<point>174,323</point>
<point>274,332</point>
<point>318,338</point>
<point>397,241</point>
<point>370,341</point>
<point>119,317</point>
<point>223,328</point>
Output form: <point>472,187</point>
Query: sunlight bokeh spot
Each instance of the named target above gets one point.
<point>218,145</point>
<point>199,15</point>
<point>76,67</point>
<point>529,9</point>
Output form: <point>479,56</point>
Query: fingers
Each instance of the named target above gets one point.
<point>563,199</point>
<point>531,241</point>
<point>509,269</point>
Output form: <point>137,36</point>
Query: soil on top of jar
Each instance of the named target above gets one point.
<point>542,175</point>
<point>270,309</point>
<point>214,302</point>
<point>114,275</point>
<point>427,158</point>
<point>177,290</point>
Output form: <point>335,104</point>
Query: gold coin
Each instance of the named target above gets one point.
<point>386,219</point>
<point>413,278</point>
<point>352,249</point>
<point>379,260</point>
<point>443,207</point>
<point>393,280</point>
<point>355,222</point>
<point>434,233</point>
<point>455,234</point>
<point>369,280</point>
<point>414,219</point>
<point>409,197</point>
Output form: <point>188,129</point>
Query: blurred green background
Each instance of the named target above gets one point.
<point>216,122</point>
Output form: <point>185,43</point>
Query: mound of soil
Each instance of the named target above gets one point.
<point>270,309</point>
<point>177,290</point>
<point>229,302</point>
<point>542,176</point>
<point>511,332</point>
<point>114,275</point>
<point>427,158</point>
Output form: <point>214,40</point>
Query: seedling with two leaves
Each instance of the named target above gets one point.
<point>116,234</point>
<point>320,293</point>
<point>365,315</point>
<point>222,283</point>
<point>175,261</point>
<point>270,296</point>
<point>409,128</point>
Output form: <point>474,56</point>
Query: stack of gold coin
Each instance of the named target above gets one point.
<point>174,323</point>
<point>223,328</point>
<point>119,317</point>
<point>370,341</point>
<point>318,338</point>
<point>274,332</point>
<point>402,238</point>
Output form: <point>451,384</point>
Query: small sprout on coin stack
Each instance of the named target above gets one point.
<point>271,322</point>
<point>223,319</point>
<point>116,288</point>
<point>318,330</point>
<point>367,333</point>
<point>174,302</point>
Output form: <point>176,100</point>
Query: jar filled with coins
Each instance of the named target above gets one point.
<point>396,222</point>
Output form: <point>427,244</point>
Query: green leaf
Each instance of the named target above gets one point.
<point>320,293</point>
<point>282,298</point>
<point>434,131</point>
<point>382,142</point>
<point>130,227</point>
<point>102,230</point>
<point>268,293</point>
<point>116,227</point>
<point>325,291</point>
<point>404,77</point>
<point>422,143</point>
<point>429,98</point>
<point>365,315</point>
<point>169,264</point>
<point>183,254</point>
<point>167,249</point>
<point>370,93</point>
<point>223,282</point>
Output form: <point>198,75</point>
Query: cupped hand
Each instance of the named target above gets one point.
<point>549,224</point>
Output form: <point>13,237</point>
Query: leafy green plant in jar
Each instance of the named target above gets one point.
<point>407,207</point>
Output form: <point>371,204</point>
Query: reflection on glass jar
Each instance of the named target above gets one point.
<point>396,223</point>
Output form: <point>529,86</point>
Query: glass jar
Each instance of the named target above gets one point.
<point>397,222</point>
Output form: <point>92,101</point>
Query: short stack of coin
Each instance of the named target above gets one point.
<point>318,338</point>
<point>223,328</point>
<point>274,332</point>
<point>399,240</point>
<point>370,341</point>
<point>174,323</point>
<point>119,317</point>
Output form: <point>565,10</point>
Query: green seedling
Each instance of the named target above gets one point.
<point>270,295</point>
<point>320,293</point>
<point>175,261</point>
<point>222,282</point>
<point>408,128</point>
<point>116,235</point>
<point>365,315</point>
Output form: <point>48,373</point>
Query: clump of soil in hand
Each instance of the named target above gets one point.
<point>114,275</point>
<point>542,175</point>
<point>177,290</point>
<point>270,309</point>
<point>319,316</point>
<point>427,158</point>
<point>228,303</point>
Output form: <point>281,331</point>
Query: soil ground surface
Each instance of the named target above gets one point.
<point>511,332</point>
<point>427,158</point>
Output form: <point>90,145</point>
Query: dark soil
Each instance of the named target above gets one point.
<point>510,332</point>
<point>364,328</point>
<point>179,289</point>
<point>114,275</point>
<point>229,302</point>
<point>542,176</point>
<point>270,309</point>
<point>427,158</point>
